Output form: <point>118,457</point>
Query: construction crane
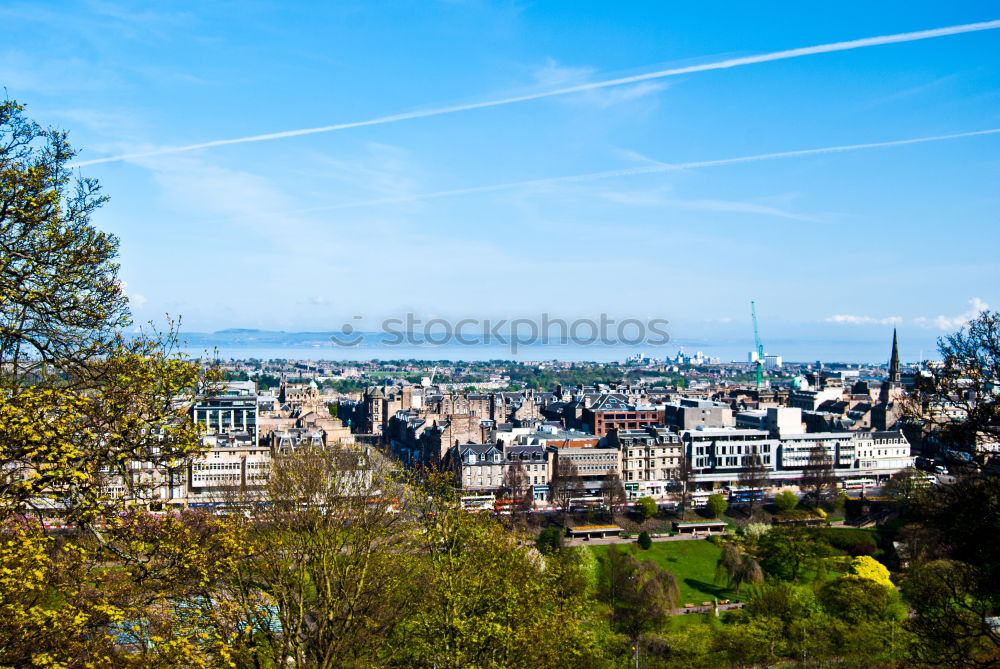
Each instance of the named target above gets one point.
<point>760,347</point>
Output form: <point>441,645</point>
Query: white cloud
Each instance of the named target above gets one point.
<point>850,319</point>
<point>138,300</point>
<point>976,307</point>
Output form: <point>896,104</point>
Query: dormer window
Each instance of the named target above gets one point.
<point>472,458</point>
<point>496,457</point>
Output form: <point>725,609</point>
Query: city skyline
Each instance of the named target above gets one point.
<point>838,188</point>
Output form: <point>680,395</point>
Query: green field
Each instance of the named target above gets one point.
<point>691,562</point>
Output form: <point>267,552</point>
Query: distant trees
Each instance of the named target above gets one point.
<point>514,486</point>
<point>613,491</point>
<point>566,484</point>
<point>717,504</point>
<point>683,475</point>
<point>818,477</point>
<point>754,477</point>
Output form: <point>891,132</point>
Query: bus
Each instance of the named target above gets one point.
<point>473,503</point>
<point>745,496</point>
<point>586,503</point>
<point>699,498</point>
<point>858,484</point>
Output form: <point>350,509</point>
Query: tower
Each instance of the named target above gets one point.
<point>894,360</point>
<point>893,379</point>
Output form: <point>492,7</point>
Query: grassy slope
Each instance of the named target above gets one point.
<point>692,562</point>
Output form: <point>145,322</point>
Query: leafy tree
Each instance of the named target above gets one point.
<point>717,504</point>
<point>950,615</point>
<point>953,586</point>
<point>645,541</point>
<point>61,303</point>
<point>82,402</point>
<point>786,500</point>
<point>485,600</point>
<point>790,553</point>
<point>549,540</point>
<point>959,407</point>
<point>758,642</point>
<point>857,600</point>
<point>905,486</point>
<point>329,549</point>
<point>737,567</point>
<point>647,506</point>
<point>640,593</point>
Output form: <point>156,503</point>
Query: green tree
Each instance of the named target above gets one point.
<point>958,407</point>
<point>485,600</point>
<point>905,486</point>
<point>549,540</point>
<point>952,587</point>
<point>737,567</point>
<point>717,504</point>
<point>791,553</point>
<point>786,500</point>
<point>647,507</point>
<point>645,541</point>
<point>82,402</point>
<point>858,600</point>
<point>640,593</point>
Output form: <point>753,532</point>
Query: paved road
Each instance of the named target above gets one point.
<point>632,540</point>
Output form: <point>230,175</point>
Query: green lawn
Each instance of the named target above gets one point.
<point>692,562</point>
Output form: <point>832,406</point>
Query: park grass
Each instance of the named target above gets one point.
<point>692,562</point>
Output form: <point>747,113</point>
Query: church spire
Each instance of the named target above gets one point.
<point>892,380</point>
<point>894,360</point>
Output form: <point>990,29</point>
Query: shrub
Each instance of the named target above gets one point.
<point>851,541</point>
<point>647,507</point>
<point>549,540</point>
<point>717,504</point>
<point>786,500</point>
<point>645,542</point>
<point>755,531</point>
<point>871,569</point>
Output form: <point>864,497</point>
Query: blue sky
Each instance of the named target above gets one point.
<point>304,232</point>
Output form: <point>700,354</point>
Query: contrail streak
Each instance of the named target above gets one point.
<point>648,169</point>
<point>660,74</point>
